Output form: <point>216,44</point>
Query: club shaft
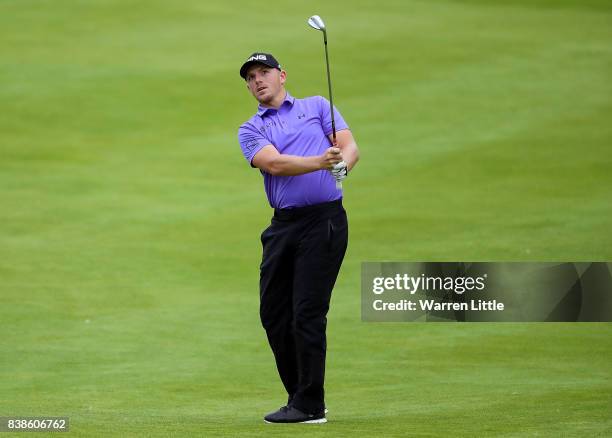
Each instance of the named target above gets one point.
<point>329,85</point>
<point>331,100</point>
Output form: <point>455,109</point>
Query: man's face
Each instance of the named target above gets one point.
<point>265,83</point>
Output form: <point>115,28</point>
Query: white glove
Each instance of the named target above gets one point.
<point>339,171</point>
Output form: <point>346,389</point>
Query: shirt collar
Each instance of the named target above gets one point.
<point>289,99</point>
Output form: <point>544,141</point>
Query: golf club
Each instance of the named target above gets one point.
<point>317,23</point>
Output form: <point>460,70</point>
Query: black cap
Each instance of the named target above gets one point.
<point>259,58</point>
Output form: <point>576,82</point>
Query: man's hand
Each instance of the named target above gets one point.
<point>330,158</point>
<point>339,171</point>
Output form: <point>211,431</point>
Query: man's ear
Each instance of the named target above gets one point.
<point>283,77</point>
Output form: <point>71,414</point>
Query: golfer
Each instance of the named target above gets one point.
<point>290,141</point>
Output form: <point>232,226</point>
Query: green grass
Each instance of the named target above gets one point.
<point>129,237</point>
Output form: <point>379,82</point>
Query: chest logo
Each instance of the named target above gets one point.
<point>301,116</point>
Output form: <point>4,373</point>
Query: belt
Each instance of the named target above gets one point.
<point>299,212</point>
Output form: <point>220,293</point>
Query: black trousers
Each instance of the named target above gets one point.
<point>303,249</point>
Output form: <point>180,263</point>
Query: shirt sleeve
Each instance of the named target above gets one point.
<point>251,141</point>
<point>326,117</point>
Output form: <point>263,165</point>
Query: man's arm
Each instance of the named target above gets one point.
<point>348,147</point>
<point>271,161</point>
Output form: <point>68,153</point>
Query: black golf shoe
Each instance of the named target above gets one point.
<point>289,414</point>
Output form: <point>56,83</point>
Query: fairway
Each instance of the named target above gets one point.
<point>130,221</point>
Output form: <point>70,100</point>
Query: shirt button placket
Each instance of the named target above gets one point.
<point>281,122</point>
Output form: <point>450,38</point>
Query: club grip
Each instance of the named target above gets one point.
<point>335,144</point>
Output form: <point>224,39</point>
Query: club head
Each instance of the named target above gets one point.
<point>316,23</point>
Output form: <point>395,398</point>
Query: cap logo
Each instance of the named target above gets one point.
<point>257,58</point>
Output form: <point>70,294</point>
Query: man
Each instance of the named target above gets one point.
<point>289,140</point>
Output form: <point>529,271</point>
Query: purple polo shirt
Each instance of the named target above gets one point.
<point>298,127</point>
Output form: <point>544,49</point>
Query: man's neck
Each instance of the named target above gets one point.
<point>277,101</point>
